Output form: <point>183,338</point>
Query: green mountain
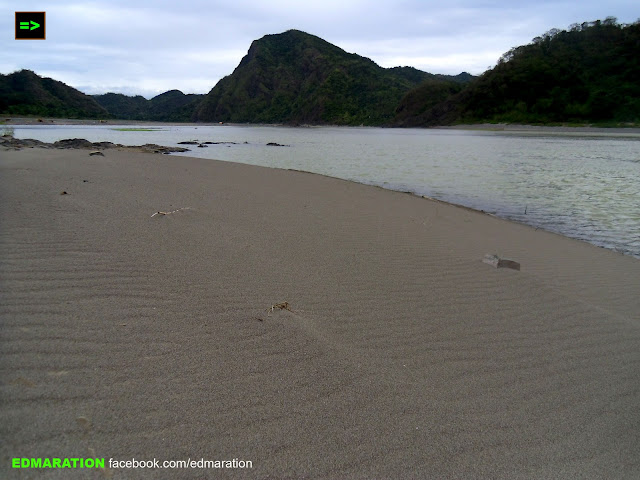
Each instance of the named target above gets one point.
<point>588,74</point>
<point>416,105</point>
<point>25,93</point>
<point>122,106</point>
<point>171,106</point>
<point>295,77</point>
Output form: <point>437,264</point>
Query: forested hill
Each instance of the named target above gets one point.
<point>587,74</point>
<point>296,77</point>
<point>25,93</point>
<point>171,106</point>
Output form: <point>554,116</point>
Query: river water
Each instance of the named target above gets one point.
<point>582,184</point>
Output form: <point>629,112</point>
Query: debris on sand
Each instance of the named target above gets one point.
<point>173,211</point>
<point>280,306</point>
<point>497,262</point>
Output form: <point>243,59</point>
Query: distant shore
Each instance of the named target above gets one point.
<point>18,120</point>
<point>516,128</point>
<point>12,121</point>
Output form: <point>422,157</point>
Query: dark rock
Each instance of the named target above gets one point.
<point>191,142</point>
<point>73,143</point>
<point>14,143</point>
<point>104,145</point>
<point>273,144</point>
<point>153,148</point>
<point>17,143</point>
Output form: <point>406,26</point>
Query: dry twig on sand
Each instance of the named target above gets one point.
<point>169,213</point>
<point>281,306</point>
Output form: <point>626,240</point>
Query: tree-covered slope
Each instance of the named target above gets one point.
<point>122,106</point>
<point>171,106</point>
<point>418,103</point>
<point>295,77</point>
<point>588,74</point>
<point>25,93</point>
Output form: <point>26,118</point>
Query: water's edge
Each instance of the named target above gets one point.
<point>580,185</point>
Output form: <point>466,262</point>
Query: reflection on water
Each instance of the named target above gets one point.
<point>585,186</point>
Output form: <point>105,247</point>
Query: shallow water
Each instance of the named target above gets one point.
<point>582,185</point>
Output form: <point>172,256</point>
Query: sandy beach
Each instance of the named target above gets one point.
<point>132,334</point>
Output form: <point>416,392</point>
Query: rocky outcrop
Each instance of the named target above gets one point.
<point>8,142</point>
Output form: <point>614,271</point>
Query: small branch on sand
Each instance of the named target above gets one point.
<point>169,213</point>
<point>281,306</point>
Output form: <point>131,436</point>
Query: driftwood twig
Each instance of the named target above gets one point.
<point>281,306</point>
<point>169,213</point>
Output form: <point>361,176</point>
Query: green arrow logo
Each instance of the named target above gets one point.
<point>25,25</point>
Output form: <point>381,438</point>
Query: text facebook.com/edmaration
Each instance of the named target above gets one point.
<point>112,463</point>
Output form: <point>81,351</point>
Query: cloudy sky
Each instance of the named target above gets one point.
<point>147,47</point>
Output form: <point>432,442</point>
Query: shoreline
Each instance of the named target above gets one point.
<point>461,206</point>
<point>158,149</point>
<point>398,353</point>
<point>499,127</point>
<point>546,129</point>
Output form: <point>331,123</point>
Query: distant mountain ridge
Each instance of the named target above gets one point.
<point>25,93</point>
<point>171,106</point>
<point>588,74</point>
<point>291,77</point>
<point>295,77</point>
